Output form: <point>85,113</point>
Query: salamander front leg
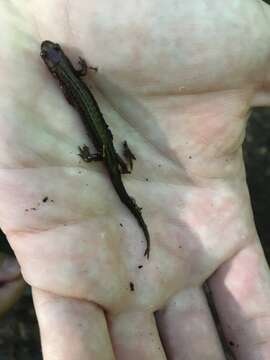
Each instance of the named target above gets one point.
<point>83,67</point>
<point>87,156</point>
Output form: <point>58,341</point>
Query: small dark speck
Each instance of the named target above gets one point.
<point>79,172</point>
<point>231,343</point>
<point>86,184</point>
<point>121,224</point>
<point>52,200</point>
<point>26,209</point>
<point>45,199</point>
<point>146,179</point>
<point>131,286</point>
<point>140,266</point>
<point>159,165</point>
<point>190,157</point>
<point>33,208</point>
<point>180,247</point>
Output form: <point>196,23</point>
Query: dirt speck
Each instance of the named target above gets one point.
<point>131,286</point>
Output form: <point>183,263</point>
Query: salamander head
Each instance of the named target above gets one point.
<point>51,54</point>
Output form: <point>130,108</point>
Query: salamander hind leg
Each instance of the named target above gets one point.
<point>122,165</point>
<point>135,204</point>
<point>128,154</point>
<point>87,156</point>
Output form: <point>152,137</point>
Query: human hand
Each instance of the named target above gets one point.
<point>177,80</point>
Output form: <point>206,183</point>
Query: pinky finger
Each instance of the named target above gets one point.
<point>71,329</point>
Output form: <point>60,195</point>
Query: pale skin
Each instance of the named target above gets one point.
<point>177,80</point>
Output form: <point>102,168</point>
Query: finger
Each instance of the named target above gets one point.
<point>11,282</point>
<point>187,329</point>
<point>71,329</point>
<point>135,336</point>
<point>9,268</point>
<point>10,292</point>
<point>241,291</point>
<point>262,95</point>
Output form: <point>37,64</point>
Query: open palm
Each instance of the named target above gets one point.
<point>176,81</point>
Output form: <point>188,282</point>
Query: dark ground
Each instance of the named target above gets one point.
<point>19,339</point>
<point>257,156</point>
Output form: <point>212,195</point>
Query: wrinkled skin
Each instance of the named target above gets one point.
<point>177,80</point>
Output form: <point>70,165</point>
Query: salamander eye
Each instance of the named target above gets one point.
<point>56,47</point>
<point>43,53</point>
